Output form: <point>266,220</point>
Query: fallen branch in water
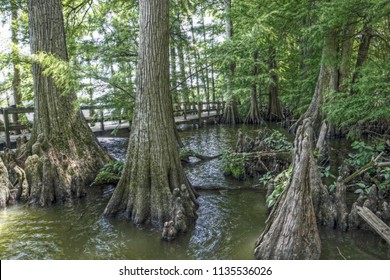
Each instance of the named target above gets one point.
<point>279,155</point>
<point>185,154</point>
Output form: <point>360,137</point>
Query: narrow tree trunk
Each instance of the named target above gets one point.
<point>206,71</point>
<point>212,84</point>
<point>346,54</point>
<point>183,78</point>
<point>230,114</point>
<point>153,187</point>
<point>291,230</point>
<point>196,58</point>
<point>254,116</point>
<point>212,71</point>
<point>274,108</point>
<point>362,55</point>
<point>16,99</point>
<point>173,75</point>
<point>66,154</point>
<point>191,87</point>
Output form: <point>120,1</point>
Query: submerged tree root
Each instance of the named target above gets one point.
<point>47,176</point>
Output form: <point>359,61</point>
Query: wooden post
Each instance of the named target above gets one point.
<point>185,110</point>
<point>208,108</point>
<point>101,120</point>
<point>218,108</point>
<point>15,117</point>
<point>6,128</point>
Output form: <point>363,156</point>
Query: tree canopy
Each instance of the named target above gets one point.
<point>286,35</point>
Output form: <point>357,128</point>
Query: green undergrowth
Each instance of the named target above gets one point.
<point>278,142</point>
<point>109,174</point>
<point>363,153</point>
<point>281,181</point>
<point>233,164</point>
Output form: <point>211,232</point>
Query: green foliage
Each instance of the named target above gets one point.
<point>281,181</point>
<point>105,178</point>
<point>325,172</point>
<point>278,142</point>
<point>370,103</point>
<point>364,153</point>
<point>265,178</point>
<point>362,189</point>
<point>233,164</point>
<point>385,175</point>
<point>114,167</point>
<point>109,174</point>
<point>331,187</point>
<point>64,75</point>
<point>184,153</point>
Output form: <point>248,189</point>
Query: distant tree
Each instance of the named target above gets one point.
<point>230,114</point>
<point>274,108</point>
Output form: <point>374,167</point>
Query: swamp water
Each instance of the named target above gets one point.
<point>230,220</point>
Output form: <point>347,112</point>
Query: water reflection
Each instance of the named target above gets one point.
<point>229,220</point>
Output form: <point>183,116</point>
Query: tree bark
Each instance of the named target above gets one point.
<point>173,75</point>
<point>346,54</point>
<point>5,185</point>
<point>274,108</point>
<point>362,55</point>
<point>68,154</point>
<point>183,78</point>
<point>291,230</point>
<point>16,80</point>
<point>154,188</point>
<point>254,116</point>
<point>230,114</point>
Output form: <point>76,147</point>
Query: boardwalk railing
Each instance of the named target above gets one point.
<point>98,114</point>
<point>197,108</point>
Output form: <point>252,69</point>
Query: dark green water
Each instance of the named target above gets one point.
<point>228,225</point>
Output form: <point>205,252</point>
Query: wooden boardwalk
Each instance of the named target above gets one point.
<point>186,113</point>
<point>110,127</point>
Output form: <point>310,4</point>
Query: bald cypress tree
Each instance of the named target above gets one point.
<point>65,154</point>
<point>154,188</point>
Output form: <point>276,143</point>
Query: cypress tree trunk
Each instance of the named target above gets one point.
<point>362,54</point>
<point>291,230</point>
<point>196,58</point>
<point>174,75</point>
<point>182,67</point>
<point>254,116</point>
<point>5,185</point>
<point>16,80</point>
<point>230,113</point>
<point>274,108</point>
<point>346,54</point>
<point>66,154</point>
<point>153,187</point>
